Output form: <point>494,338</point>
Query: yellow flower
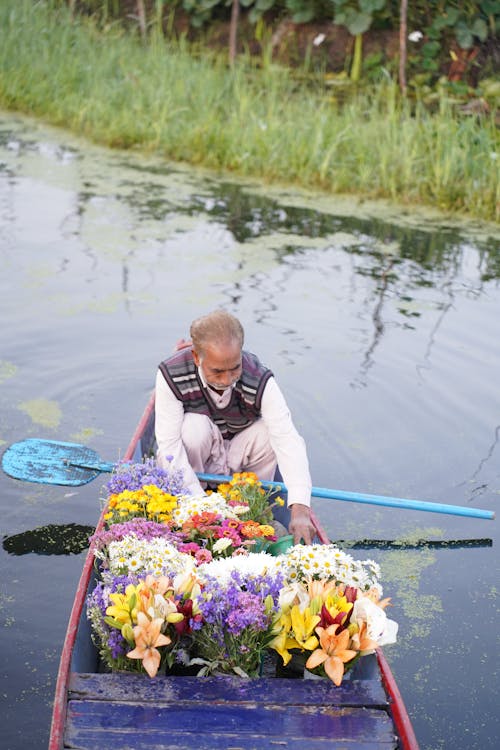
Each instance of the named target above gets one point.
<point>281,640</point>
<point>123,605</point>
<point>336,604</point>
<point>303,624</point>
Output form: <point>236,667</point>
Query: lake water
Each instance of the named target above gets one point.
<point>381,325</point>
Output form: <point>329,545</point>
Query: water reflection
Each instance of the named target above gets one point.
<point>62,539</point>
<point>382,328</point>
<point>71,539</point>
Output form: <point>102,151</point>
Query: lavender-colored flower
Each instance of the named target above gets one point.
<point>134,476</point>
<point>248,613</point>
<point>116,643</point>
<point>141,528</point>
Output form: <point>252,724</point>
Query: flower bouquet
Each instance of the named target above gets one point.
<point>185,582</point>
<point>246,489</point>
<point>238,605</point>
<point>330,610</point>
<point>133,618</point>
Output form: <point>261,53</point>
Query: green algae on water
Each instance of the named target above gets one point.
<point>404,570</point>
<point>42,412</point>
<point>7,370</point>
<point>86,434</point>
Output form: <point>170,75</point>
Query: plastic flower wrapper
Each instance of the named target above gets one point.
<point>245,488</point>
<point>238,616</point>
<point>327,562</point>
<point>138,623</point>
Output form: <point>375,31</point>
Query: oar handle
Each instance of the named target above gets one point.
<point>390,502</point>
<point>101,466</point>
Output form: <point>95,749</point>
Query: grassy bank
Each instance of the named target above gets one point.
<point>160,98</point>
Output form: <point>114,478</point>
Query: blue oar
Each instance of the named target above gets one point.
<point>54,462</point>
<point>356,497</point>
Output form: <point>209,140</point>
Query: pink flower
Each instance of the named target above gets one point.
<point>203,556</point>
<point>190,548</point>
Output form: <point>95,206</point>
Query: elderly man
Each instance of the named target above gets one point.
<point>219,410</point>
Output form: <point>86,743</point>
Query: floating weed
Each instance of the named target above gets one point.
<point>43,412</point>
<point>66,539</point>
<point>7,370</point>
<point>404,570</point>
<point>85,434</point>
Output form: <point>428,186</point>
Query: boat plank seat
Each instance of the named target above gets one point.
<point>125,711</point>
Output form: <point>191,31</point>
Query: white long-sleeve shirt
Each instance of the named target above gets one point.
<point>287,444</point>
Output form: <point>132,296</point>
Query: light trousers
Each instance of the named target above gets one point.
<point>208,452</point>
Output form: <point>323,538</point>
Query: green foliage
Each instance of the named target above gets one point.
<point>466,23</point>
<point>356,15</point>
<point>118,91</point>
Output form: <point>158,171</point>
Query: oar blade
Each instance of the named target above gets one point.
<point>47,462</point>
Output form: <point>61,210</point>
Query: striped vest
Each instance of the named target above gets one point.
<point>181,374</point>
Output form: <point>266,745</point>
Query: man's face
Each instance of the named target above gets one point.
<point>220,364</point>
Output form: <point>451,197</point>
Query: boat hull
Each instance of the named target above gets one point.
<point>125,710</point>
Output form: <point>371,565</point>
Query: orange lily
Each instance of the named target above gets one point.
<point>333,653</point>
<point>148,637</point>
<point>361,640</point>
<point>374,595</point>
<point>319,588</point>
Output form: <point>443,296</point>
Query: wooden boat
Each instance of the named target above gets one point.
<point>95,710</point>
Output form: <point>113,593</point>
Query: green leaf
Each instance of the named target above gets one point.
<point>480,29</point>
<point>113,623</point>
<point>369,6</point>
<point>464,36</point>
<point>358,23</point>
<point>452,15</point>
<point>303,16</point>
<point>490,7</point>
<point>264,4</point>
<point>430,49</point>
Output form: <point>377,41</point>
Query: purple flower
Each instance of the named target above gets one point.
<point>141,528</point>
<point>248,613</point>
<point>116,643</point>
<point>130,476</point>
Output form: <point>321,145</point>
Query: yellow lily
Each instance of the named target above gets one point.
<point>123,606</point>
<point>280,642</point>
<point>303,624</point>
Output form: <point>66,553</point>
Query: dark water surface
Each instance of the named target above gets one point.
<point>382,327</point>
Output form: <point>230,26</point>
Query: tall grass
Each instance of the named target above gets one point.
<point>158,96</point>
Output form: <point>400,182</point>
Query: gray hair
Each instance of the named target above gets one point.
<point>218,327</point>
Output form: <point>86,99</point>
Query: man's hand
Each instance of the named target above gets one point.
<point>301,525</point>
